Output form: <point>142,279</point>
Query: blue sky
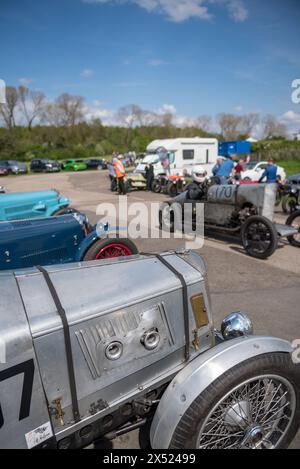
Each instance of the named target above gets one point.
<point>196,56</point>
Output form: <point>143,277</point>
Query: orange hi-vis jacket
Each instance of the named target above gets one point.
<point>119,169</point>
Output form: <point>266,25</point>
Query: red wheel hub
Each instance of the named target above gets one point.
<point>114,250</point>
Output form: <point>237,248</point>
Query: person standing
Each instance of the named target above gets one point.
<point>150,177</point>
<point>120,173</point>
<point>270,173</point>
<point>225,170</point>
<point>238,170</point>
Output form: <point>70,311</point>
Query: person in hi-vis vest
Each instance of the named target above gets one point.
<point>120,173</point>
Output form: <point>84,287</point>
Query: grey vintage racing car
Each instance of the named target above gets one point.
<point>246,210</point>
<point>83,357</point>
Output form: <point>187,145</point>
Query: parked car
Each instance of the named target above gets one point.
<point>130,343</point>
<point>74,165</point>
<point>245,210</point>
<point>21,205</point>
<point>3,170</point>
<point>56,240</point>
<point>295,179</point>
<point>44,166</point>
<point>15,167</point>
<point>95,163</point>
<point>253,171</point>
<point>2,190</point>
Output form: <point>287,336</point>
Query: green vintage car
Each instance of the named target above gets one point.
<point>74,165</point>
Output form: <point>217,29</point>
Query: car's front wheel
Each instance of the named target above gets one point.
<point>110,248</point>
<point>294,222</point>
<point>259,237</point>
<point>255,405</point>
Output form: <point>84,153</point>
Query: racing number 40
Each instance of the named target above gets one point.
<point>27,369</point>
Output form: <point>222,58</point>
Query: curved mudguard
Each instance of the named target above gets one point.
<point>199,374</point>
<point>98,232</point>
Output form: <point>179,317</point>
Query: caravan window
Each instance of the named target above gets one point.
<point>188,154</point>
<point>171,157</point>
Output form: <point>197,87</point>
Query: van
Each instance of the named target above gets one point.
<point>182,154</point>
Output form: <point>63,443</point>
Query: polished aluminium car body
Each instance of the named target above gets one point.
<point>36,204</point>
<point>74,165</point>
<point>96,356</point>
<point>246,210</point>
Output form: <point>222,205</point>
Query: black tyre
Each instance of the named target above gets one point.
<point>289,204</point>
<point>294,221</point>
<point>110,248</point>
<point>255,405</point>
<point>259,237</point>
<point>172,189</point>
<point>156,186</point>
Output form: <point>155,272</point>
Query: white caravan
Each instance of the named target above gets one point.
<point>183,154</point>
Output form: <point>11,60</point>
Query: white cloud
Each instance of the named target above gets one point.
<point>292,120</point>
<point>25,81</point>
<point>182,10</point>
<point>97,111</point>
<point>167,109</point>
<point>87,73</point>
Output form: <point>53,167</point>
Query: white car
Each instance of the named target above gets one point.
<point>253,171</point>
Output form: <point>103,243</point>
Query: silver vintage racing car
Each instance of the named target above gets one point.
<point>95,350</point>
<point>245,210</point>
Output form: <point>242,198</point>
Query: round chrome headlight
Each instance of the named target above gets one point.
<point>81,218</point>
<point>151,339</point>
<point>114,351</point>
<point>236,325</point>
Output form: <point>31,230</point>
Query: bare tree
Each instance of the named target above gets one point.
<point>166,119</point>
<point>31,103</point>
<point>249,122</point>
<point>273,128</point>
<point>70,109</point>
<point>53,115</point>
<point>203,122</point>
<point>149,118</point>
<point>7,111</point>
<point>130,115</point>
<point>229,125</point>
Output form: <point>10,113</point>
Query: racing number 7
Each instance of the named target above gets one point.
<point>26,368</point>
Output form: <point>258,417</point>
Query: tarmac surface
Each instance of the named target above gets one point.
<point>269,291</point>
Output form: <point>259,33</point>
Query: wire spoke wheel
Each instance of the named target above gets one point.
<point>294,222</point>
<point>257,414</point>
<point>114,250</point>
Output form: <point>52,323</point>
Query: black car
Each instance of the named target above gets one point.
<point>94,163</point>
<point>44,166</point>
<point>15,167</point>
<point>295,179</point>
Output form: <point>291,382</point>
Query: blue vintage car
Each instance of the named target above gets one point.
<point>57,240</point>
<point>22,205</point>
